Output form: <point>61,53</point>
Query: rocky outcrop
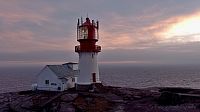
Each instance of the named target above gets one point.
<point>103,99</point>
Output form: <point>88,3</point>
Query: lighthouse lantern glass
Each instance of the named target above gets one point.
<point>83,33</point>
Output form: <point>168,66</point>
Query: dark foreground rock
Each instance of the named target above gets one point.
<point>103,99</point>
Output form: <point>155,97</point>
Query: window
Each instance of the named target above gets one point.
<point>83,33</point>
<point>54,84</point>
<point>73,79</point>
<point>46,81</point>
<point>59,88</point>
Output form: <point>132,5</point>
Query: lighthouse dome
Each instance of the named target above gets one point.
<point>87,22</point>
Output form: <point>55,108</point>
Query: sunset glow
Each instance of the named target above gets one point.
<point>184,28</point>
<point>137,31</point>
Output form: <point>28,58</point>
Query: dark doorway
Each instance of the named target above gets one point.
<point>94,77</point>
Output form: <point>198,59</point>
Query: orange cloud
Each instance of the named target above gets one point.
<point>127,32</point>
<point>177,29</point>
<point>112,40</point>
<point>15,36</point>
<point>22,41</point>
<point>19,16</point>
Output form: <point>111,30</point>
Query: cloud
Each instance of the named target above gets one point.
<point>33,26</point>
<point>53,22</point>
<point>166,54</point>
<point>124,31</point>
<point>175,29</point>
<point>42,30</point>
<point>23,41</point>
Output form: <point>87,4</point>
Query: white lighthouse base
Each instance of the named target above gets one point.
<point>88,70</point>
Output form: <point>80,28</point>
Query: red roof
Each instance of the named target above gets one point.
<point>87,22</point>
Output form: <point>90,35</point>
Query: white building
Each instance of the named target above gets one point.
<point>57,77</point>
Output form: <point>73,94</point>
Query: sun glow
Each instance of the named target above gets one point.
<point>187,29</point>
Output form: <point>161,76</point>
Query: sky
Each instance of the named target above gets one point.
<point>131,31</point>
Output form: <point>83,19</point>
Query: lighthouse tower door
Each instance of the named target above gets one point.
<point>94,77</point>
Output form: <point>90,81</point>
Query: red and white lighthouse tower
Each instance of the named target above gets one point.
<point>87,35</point>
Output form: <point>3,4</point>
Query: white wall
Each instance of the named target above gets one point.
<point>87,66</point>
<point>47,74</point>
<point>70,84</point>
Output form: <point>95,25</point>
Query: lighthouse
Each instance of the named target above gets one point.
<point>87,36</point>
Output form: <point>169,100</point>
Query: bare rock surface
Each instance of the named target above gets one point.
<point>104,99</point>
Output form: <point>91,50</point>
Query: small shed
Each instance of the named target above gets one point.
<point>57,77</point>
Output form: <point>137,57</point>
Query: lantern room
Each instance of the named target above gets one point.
<point>87,35</point>
<point>87,30</point>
